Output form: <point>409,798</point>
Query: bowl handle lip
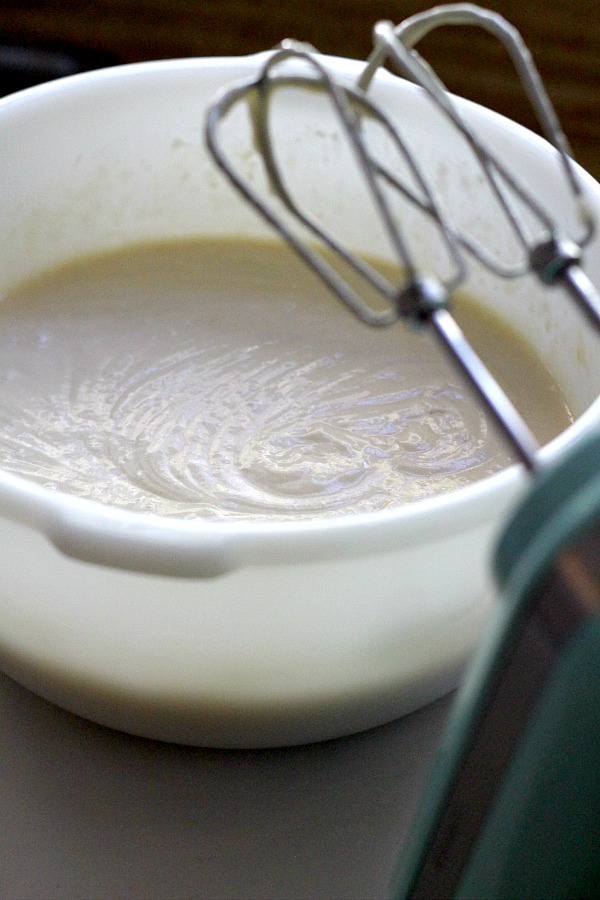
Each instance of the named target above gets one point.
<point>136,544</point>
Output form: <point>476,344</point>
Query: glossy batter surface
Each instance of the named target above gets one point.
<point>219,378</point>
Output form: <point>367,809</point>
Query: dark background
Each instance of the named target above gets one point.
<point>564,36</point>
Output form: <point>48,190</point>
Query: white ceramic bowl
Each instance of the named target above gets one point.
<point>238,634</point>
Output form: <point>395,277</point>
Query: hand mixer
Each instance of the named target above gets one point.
<point>514,804</point>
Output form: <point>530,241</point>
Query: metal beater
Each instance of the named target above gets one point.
<point>419,299</point>
<point>542,659</point>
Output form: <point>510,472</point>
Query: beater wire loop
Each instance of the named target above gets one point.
<point>352,108</point>
<point>397,44</point>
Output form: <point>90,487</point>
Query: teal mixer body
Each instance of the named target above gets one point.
<point>513,809</point>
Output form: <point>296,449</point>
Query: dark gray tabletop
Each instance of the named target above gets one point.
<point>87,812</point>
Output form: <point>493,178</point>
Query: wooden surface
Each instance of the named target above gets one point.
<point>564,36</point>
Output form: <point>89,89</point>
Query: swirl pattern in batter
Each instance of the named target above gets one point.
<point>218,378</point>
